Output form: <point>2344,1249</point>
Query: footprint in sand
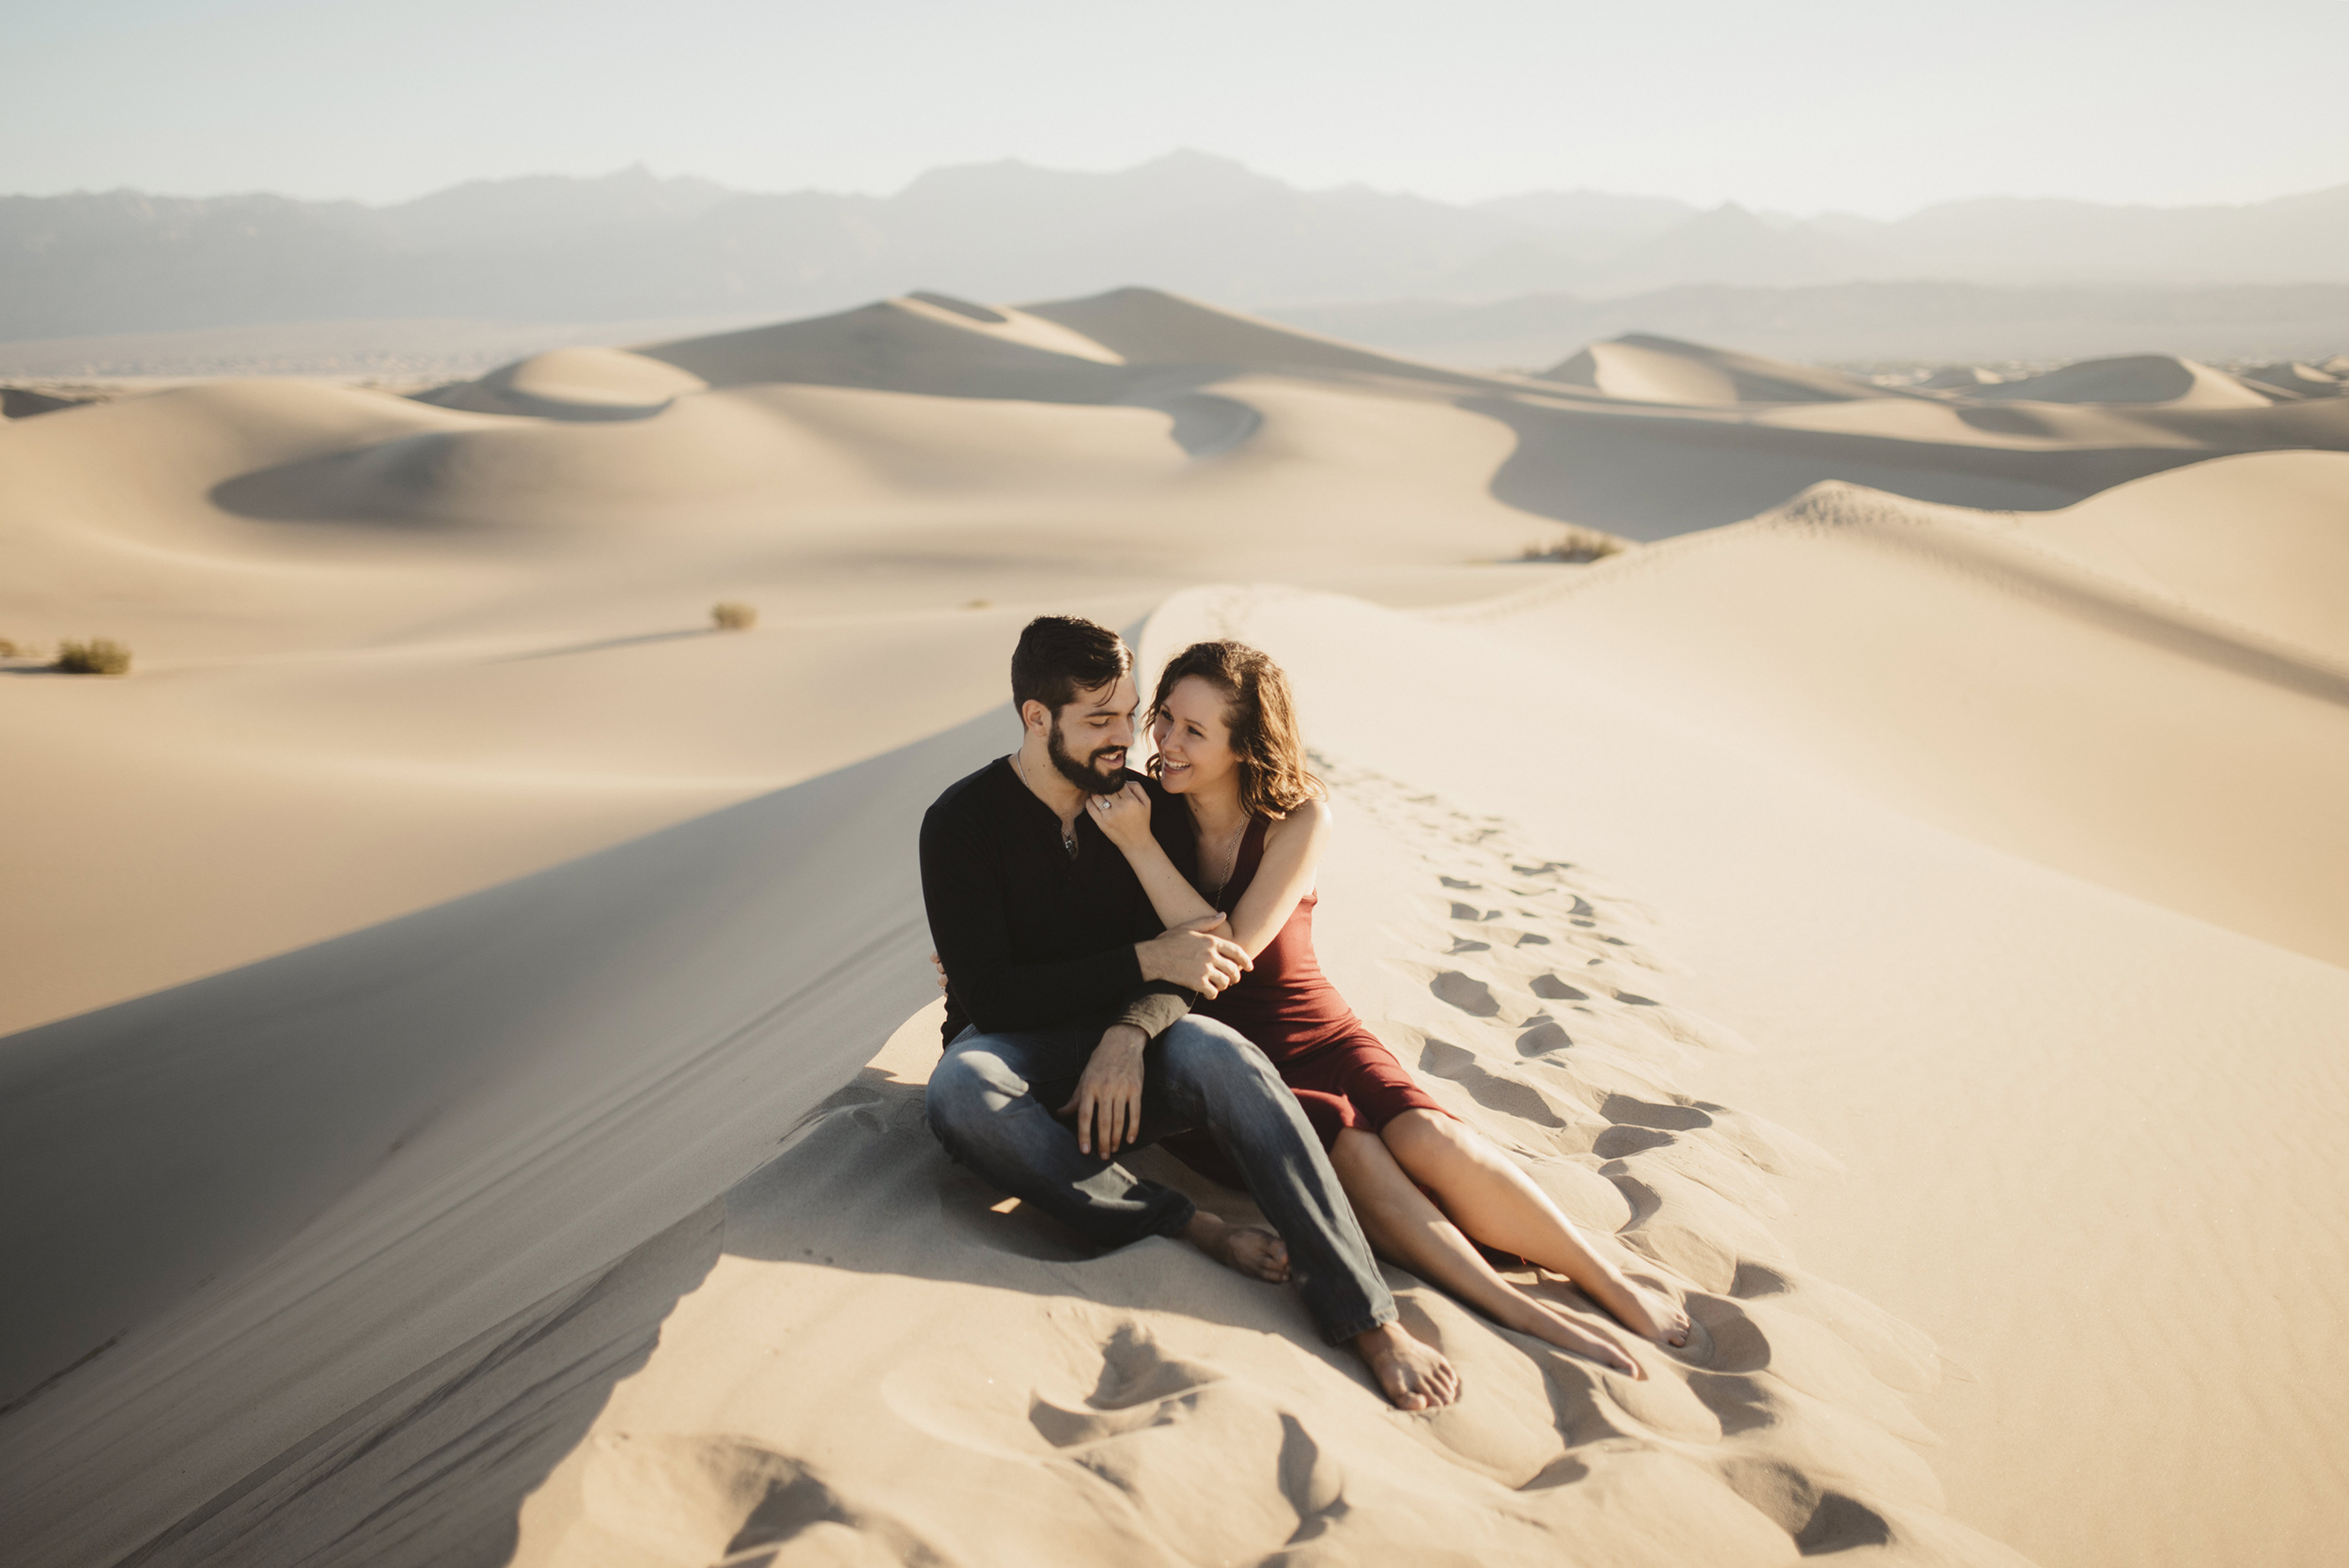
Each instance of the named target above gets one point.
<point>1145,1426</point>
<point>1465,992</point>
<point>708,1499</point>
<point>1626,1110</point>
<point>1138,1382</point>
<point>1505,1094</point>
<point>1618,1142</point>
<point>1543,1038</point>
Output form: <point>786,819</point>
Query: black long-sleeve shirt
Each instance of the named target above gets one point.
<point>1032,937</point>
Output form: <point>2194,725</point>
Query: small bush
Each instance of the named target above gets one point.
<point>1575,547</point>
<point>11,648</point>
<point>100,656</point>
<point>731,617</point>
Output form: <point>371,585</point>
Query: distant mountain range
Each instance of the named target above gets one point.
<point>633,246</point>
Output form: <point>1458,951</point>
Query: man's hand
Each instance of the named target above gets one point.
<point>1107,1102</point>
<point>1194,956</point>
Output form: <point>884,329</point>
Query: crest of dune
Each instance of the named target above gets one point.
<point>2305,381</point>
<point>1827,631</point>
<point>2135,379</point>
<point>576,383</point>
<point>2276,565</point>
<point>1150,327</point>
<point>920,343</point>
<point>1665,370</point>
<point>1959,378</point>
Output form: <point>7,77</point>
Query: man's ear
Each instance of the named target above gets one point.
<point>1033,715</point>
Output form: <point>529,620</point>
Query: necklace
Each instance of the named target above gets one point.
<point>1230,848</point>
<point>1067,830</point>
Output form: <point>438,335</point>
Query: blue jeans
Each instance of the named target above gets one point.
<point>991,1101</point>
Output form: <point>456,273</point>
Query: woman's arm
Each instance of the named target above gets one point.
<point>1292,852</point>
<point>1125,817</point>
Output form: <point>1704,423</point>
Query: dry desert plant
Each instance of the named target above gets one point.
<point>11,648</point>
<point>100,656</point>
<point>1576,546</point>
<point>732,616</point>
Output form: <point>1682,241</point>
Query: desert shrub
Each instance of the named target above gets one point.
<point>731,617</point>
<point>1576,546</point>
<point>10,648</point>
<point>100,656</point>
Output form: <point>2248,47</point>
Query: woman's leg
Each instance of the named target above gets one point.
<point>1490,1199</point>
<point>1404,1225</point>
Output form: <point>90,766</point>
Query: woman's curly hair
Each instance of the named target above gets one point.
<point>1273,777</point>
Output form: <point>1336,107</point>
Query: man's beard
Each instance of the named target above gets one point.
<point>1089,779</point>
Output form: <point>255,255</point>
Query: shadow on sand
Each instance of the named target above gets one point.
<point>434,1469</point>
<point>1648,478</point>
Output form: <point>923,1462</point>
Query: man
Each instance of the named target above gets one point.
<point>1066,998</point>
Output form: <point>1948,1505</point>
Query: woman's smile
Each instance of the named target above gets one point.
<point>1192,713</point>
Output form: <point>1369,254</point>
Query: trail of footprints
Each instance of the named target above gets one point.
<point>1521,986</point>
<point>1535,968</point>
<point>1523,981</point>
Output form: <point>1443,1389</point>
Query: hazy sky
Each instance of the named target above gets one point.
<point>1869,105</point>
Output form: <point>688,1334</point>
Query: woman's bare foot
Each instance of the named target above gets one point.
<point>1254,1251</point>
<point>1555,1327</point>
<point>1643,1311</point>
<point>1412,1375</point>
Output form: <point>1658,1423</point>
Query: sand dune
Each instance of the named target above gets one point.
<point>1960,378</point>
<point>1589,451</point>
<point>1142,1389</point>
<point>2133,379</point>
<point>578,383</point>
<point>2305,380</point>
<point>1940,659</point>
<point>440,973</point>
<point>288,1187</point>
<point>1665,370</point>
<point>2088,1141</point>
<point>317,581</point>
<point>921,343</point>
<point>2257,541</point>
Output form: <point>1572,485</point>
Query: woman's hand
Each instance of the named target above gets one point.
<point>940,965</point>
<point>1125,816</point>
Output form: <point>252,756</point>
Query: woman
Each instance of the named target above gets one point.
<point>1426,1186</point>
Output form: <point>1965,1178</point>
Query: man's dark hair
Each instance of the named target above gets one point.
<point>1060,656</point>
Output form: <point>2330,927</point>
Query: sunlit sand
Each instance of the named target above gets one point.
<point>466,1009</point>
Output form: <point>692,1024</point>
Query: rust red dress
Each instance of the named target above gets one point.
<point>1343,1076</point>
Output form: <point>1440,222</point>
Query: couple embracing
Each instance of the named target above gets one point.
<point>1128,958</point>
